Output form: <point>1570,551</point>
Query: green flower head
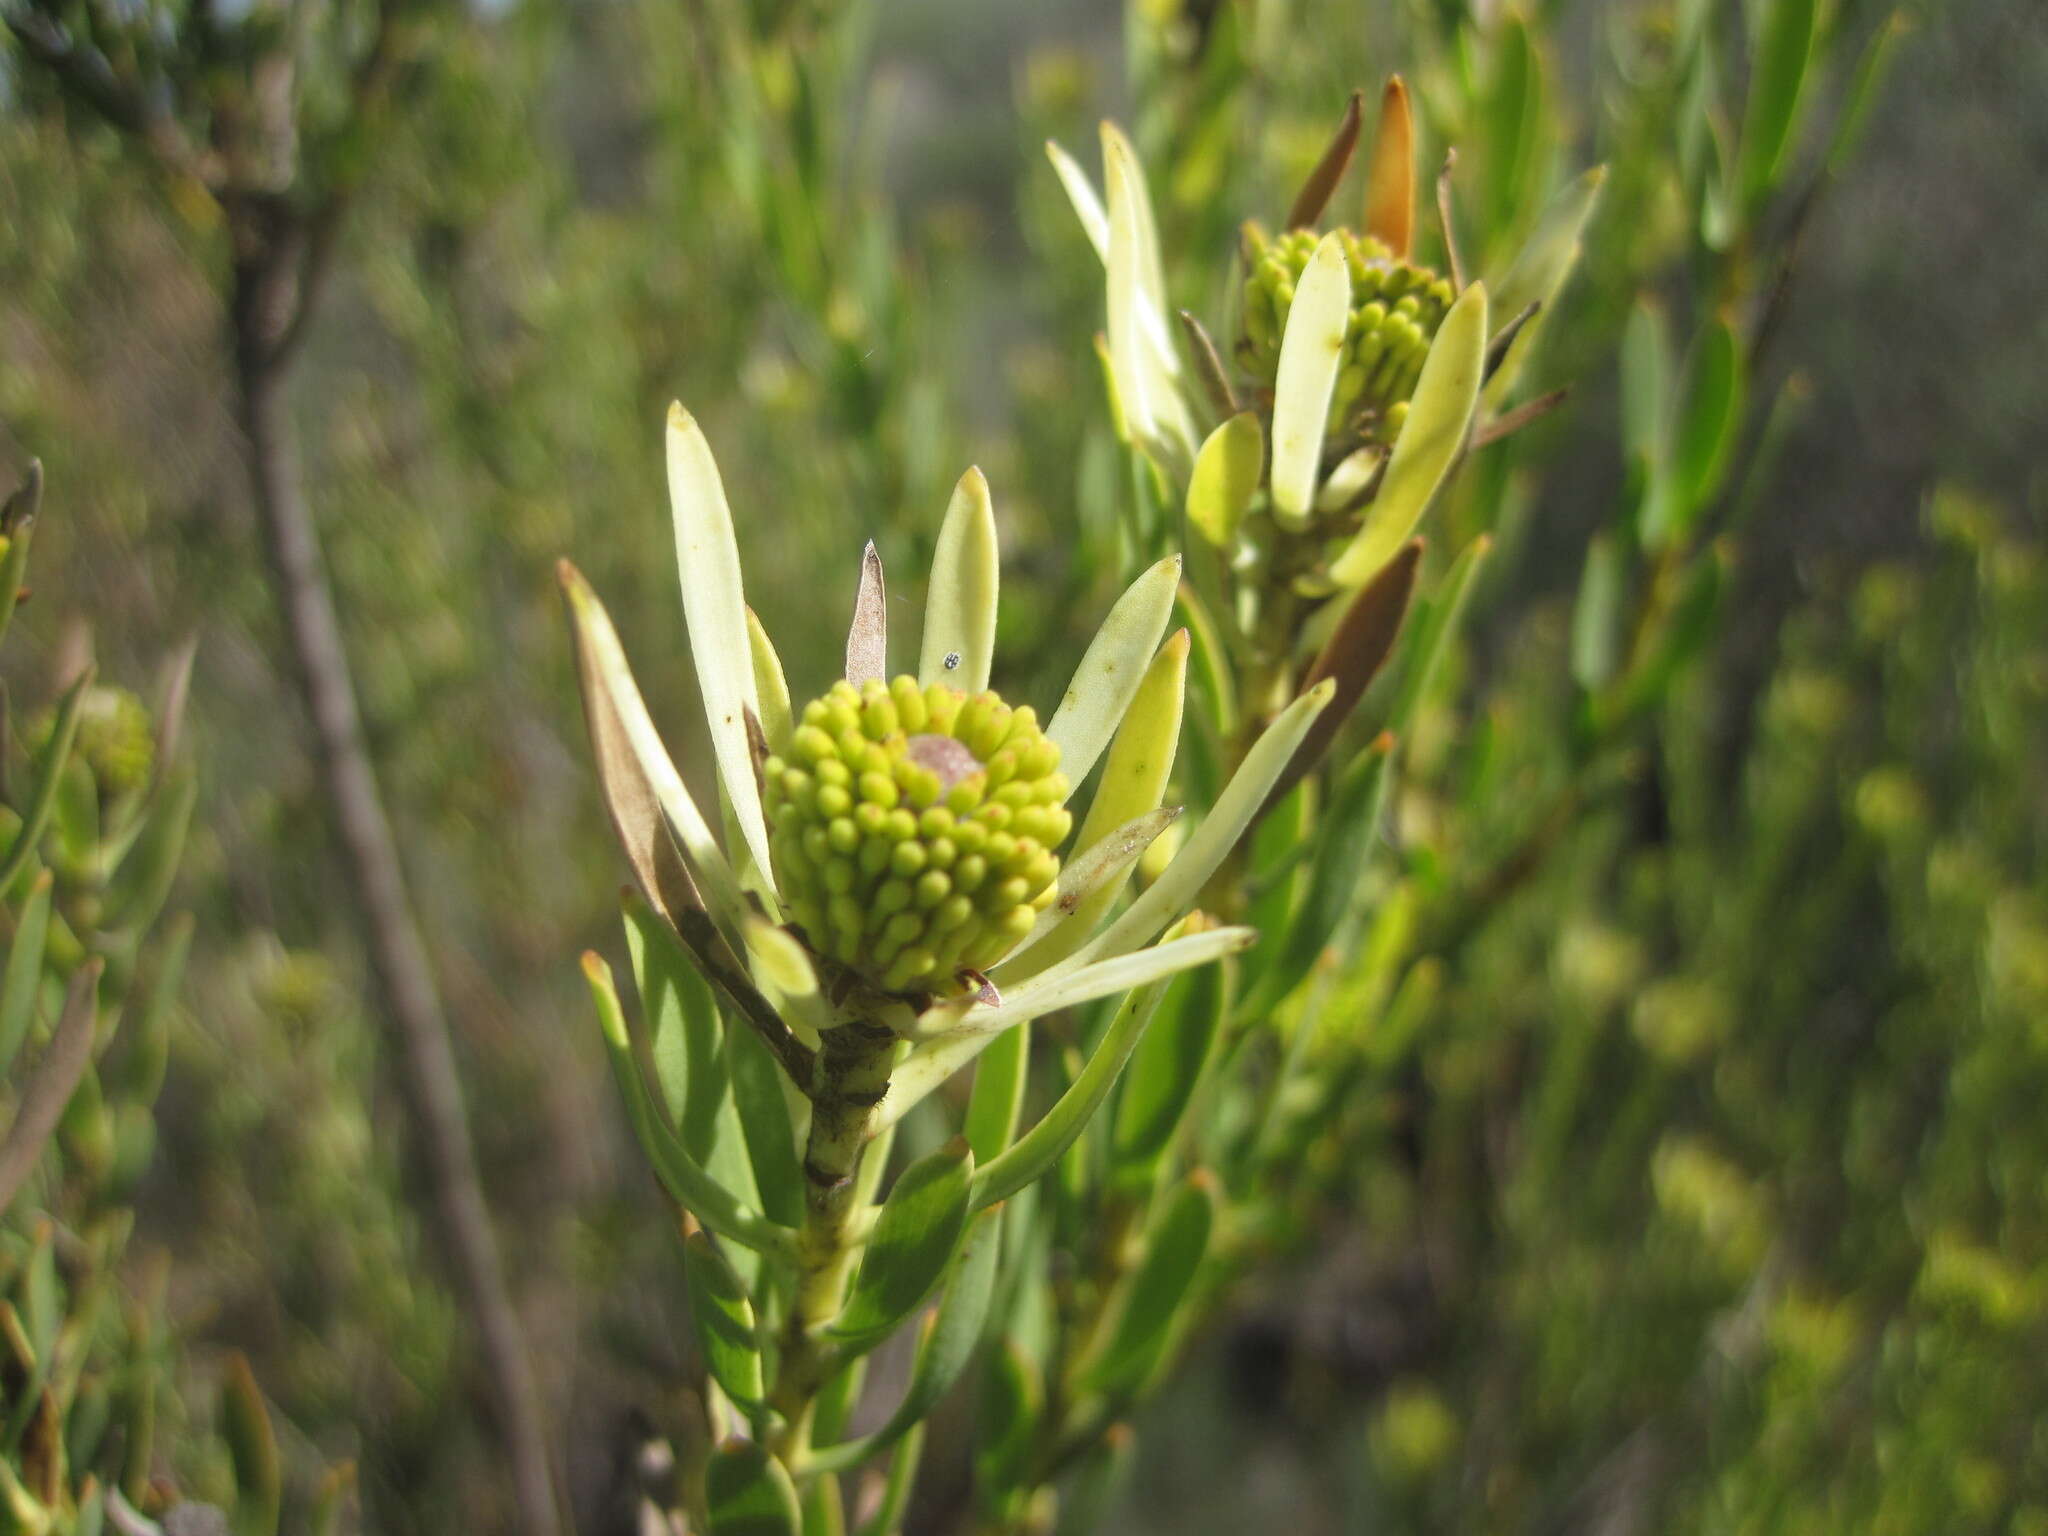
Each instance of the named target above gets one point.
<point>896,848</point>
<point>1362,373</point>
<point>1396,306</point>
<point>914,827</point>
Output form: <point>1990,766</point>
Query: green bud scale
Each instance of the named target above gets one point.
<point>913,829</point>
<point>1396,307</point>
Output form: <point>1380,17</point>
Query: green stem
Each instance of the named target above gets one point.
<point>854,1062</point>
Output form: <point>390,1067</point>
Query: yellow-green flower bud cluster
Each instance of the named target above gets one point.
<point>913,829</point>
<point>115,739</point>
<point>1396,308</point>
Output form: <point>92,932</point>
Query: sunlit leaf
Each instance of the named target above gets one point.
<point>1081,193</point>
<point>715,613</point>
<point>1311,351</point>
<point>960,607</point>
<point>1175,890</point>
<point>1134,779</point>
<point>771,688</point>
<point>1439,416</point>
<point>1225,479</point>
<point>1112,669</point>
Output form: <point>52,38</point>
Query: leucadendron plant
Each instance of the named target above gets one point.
<point>898,892</point>
<point>93,816</point>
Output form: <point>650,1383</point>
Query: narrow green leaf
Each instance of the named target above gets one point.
<point>1349,831</point>
<point>1116,830</point>
<point>683,1030</point>
<point>1702,437</point>
<point>887,1518</point>
<point>1225,479</point>
<point>960,605</point>
<point>1000,1075</point>
<point>681,1175</point>
<point>724,1319</point>
<point>1777,80</point>
<point>1539,272</point>
<point>245,1425</point>
<point>144,884</point>
<point>49,1088</point>
<point>24,974</point>
<point>1047,1141</point>
<point>771,688</point>
<point>1353,656</point>
<point>948,1342</point>
<point>1872,72</point>
<point>1513,115</point>
<point>916,1233</point>
<point>1145,1314</point>
<point>1112,670</point>
<point>1104,864</point>
<point>1646,370</point>
<point>715,614</point>
<point>1176,888</point>
<point>1439,417</point>
<point>1596,621</point>
<point>747,1493</point>
<point>1066,987</point>
<point>1165,1070</point>
<point>762,1105</point>
<point>1433,636</point>
<point>1311,350</point>
<point>43,796</point>
<point>1011,1403</point>
<point>1711,413</point>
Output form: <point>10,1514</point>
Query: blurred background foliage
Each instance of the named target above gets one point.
<point>1708,1192</point>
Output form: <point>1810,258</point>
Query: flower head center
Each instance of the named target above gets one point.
<point>914,829</point>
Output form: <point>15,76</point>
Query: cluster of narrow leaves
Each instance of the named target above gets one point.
<point>93,825</point>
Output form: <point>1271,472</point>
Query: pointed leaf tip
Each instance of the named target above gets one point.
<point>714,613</point>
<point>960,601</point>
